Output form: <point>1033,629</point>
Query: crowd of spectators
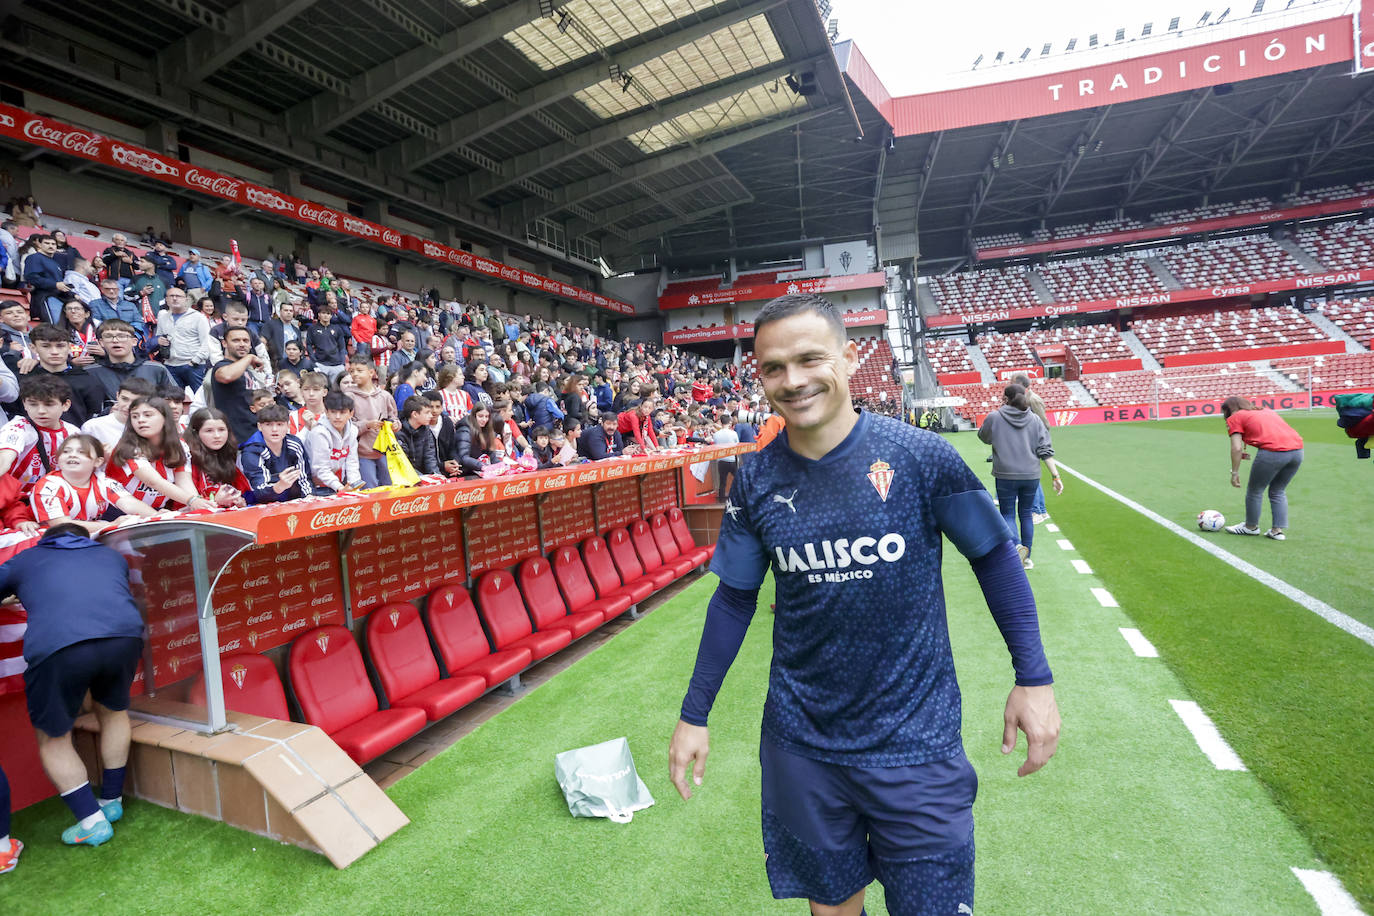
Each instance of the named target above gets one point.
<point>191,385</point>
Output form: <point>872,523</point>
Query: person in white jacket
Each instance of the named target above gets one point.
<point>333,447</point>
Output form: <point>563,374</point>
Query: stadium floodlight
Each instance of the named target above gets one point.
<point>1026,53</point>
<point>1045,51</point>
<point>625,82</point>
<point>976,61</point>
<point>1202,20</point>
<point>1120,34</point>
<point>1073,43</point>
<point>1259,7</point>
<point>1224,13</point>
<point>1145,32</point>
<point>1173,24</point>
<point>614,70</point>
<point>1092,40</point>
<point>998,58</point>
<point>564,20</point>
<point>546,8</point>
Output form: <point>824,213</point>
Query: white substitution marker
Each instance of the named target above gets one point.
<point>1065,544</point>
<point>1052,527</point>
<point>1349,624</point>
<point>1207,736</point>
<point>1141,646</point>
<point>1082,566</point>
<point>1104,597</point>
<point>1332,898</point>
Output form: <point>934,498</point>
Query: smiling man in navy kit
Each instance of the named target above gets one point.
<point>864,773</point>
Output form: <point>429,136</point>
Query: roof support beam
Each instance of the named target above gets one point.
<point>990,170</point>
<point>199,55</point>
<point>1268,115</point>
<point>611,215</point>
<point>924,179</point>
<point>1173,129</point>
<point>416,152</point>
<point>327,110</point>
<point>582,190</point>
<point>1072,157</point>
<point>527,165</point>
<point>665,225</point>
<point>1336,134</point>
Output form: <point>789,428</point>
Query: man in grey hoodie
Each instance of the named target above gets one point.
<point>1020,441</point>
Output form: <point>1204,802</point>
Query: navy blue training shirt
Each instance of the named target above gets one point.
<point>862,671</point>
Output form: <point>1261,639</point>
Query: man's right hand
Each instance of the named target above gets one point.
<point>689,747</point>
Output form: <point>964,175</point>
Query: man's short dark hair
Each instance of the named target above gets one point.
<point>539,431</point>
<point>44,389</point>
<point>337,400</point>
<point>1021,379</point>
<point>49,333</point>
<point>12,304</point>
<point>138,387</point>
<point>173,394</point>
<point>228,331</point>
<point>433,396</point>
<point>799,304</point>
<point>65,528</point>
<point>273,413</point>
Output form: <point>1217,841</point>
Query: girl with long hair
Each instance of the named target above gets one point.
<point>78,322</point>
<point>76,492</point>
<point>150,461</point>
<point>477,439</point>
<point>215,471</point>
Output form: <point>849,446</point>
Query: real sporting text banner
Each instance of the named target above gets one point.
<point>1160,297</point>
<point>817,285</point>
<point>37,130</point>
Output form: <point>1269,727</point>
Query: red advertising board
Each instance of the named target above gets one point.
<point>86,144</point>
<point>501,535</point>
<point>617,504</point>
<point>1173,230</point>
<point>1163,297</point>
<point>565,517</point>
<point>745,330</point>
<point>1174,410</point>
<point>660,492</point>
<point>818,285</point>
<point>1176,70</point>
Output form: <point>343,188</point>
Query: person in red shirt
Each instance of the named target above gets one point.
<point>75,492</point>
<point>150,460</point>
<point>1278,455</point>
<point>701,389</point>
<point>637,423</point>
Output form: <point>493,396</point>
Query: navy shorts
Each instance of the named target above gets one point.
<point>56,686</point>
<point>829,830</point>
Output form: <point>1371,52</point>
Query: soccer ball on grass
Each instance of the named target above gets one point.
<point>1211,520</point>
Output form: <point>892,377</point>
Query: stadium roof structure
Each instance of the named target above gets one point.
<point>560,122</point>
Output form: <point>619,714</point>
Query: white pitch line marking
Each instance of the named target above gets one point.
<point>1207,736</point>
<point>1363,632</point>
<point>1065,544</point>
<point>1141,646</point>
<point>1082,566</point>
<point>1331,896</point>
<point>1104,597</point>
<point>1052,527</point>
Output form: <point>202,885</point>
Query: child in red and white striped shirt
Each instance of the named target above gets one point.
<point>75,492</point>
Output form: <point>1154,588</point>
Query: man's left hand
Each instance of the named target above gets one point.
<point>1033,711</point>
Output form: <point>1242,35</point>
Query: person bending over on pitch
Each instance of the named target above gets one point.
<point>73,645</point>
<point>864,772</point>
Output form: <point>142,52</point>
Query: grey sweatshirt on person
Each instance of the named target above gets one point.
<point>1019,440</point>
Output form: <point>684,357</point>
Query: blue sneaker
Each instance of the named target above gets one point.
<point>76,835</point>
<point>112,809</point>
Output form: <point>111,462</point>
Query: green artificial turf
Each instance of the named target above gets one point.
<point>1128,818</point>
<point>1290,692</point>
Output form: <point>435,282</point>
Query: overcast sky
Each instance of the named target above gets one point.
<point>930,44</point>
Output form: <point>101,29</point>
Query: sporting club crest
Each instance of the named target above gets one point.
<point>238,674</point>
<point>880,475</point>
<point>323,642</point>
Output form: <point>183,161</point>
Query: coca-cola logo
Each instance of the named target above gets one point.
<point>232,645</point>
<point>429,539</point>
<point>617,471</point>
<point>349,515</point>
<point>260,618</point>
<point>591,476</point>
<point>386,551</point>
<point>137,159</point>
<point>470,497</point>
<point>73,141</point>
<point>6,120</point>
<point>319,215</point>
<point>639,467</point>
<point>516,489</point>
<point>364,571</point>
<point>354,225</point>
<point>174,562</point>
<point>188,640</point>
<point>294,625</point>
<point>259,582</point>
<point>556,482</point>
<point>318,567</point>
<point>293,590</point>
<point>322,600</point>
<point>261,197</point>
<point>228,607</point>
<point>392,237</point>
<point>178,601</point>
<point>391,579</point>
<point>416,506</point>
<point>212,183</point>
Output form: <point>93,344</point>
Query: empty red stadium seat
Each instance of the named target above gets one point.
<point>333,691</point>
<point>577,587</point>
<point>653,558</point>
<point>604,575</point>
<point>463,647</point>
<point>503,611</point>
<point>669,547</point>
<point>677,524</point>
<point>546,603</point>
<point>251,685</point>
<point>629,564</point>
<point>401,656</point>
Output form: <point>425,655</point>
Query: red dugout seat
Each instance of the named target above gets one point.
<point>507,621</point>
<point>401,656</point>
<point>667,545</point>
<point>333,691</point>
<point>677,524</point>
<point>546,603</point>
<point>602,569</point>
<point>642,536</point>
<point>251,685</point>
<point>577,587</point>
<point>463,647</point>
<point>628,563</point>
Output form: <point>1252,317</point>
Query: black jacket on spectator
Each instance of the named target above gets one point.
<point>166,267</point>
<point>117,268</point>
<point>274,335</point>
<point>233,399</point>
<point>594,445</point>
<point>447,446</point>
<point>419,446</point>
<point>327,345</point>
<point>112,375</point>
<point>259,306</point>
<point>88,394</point>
